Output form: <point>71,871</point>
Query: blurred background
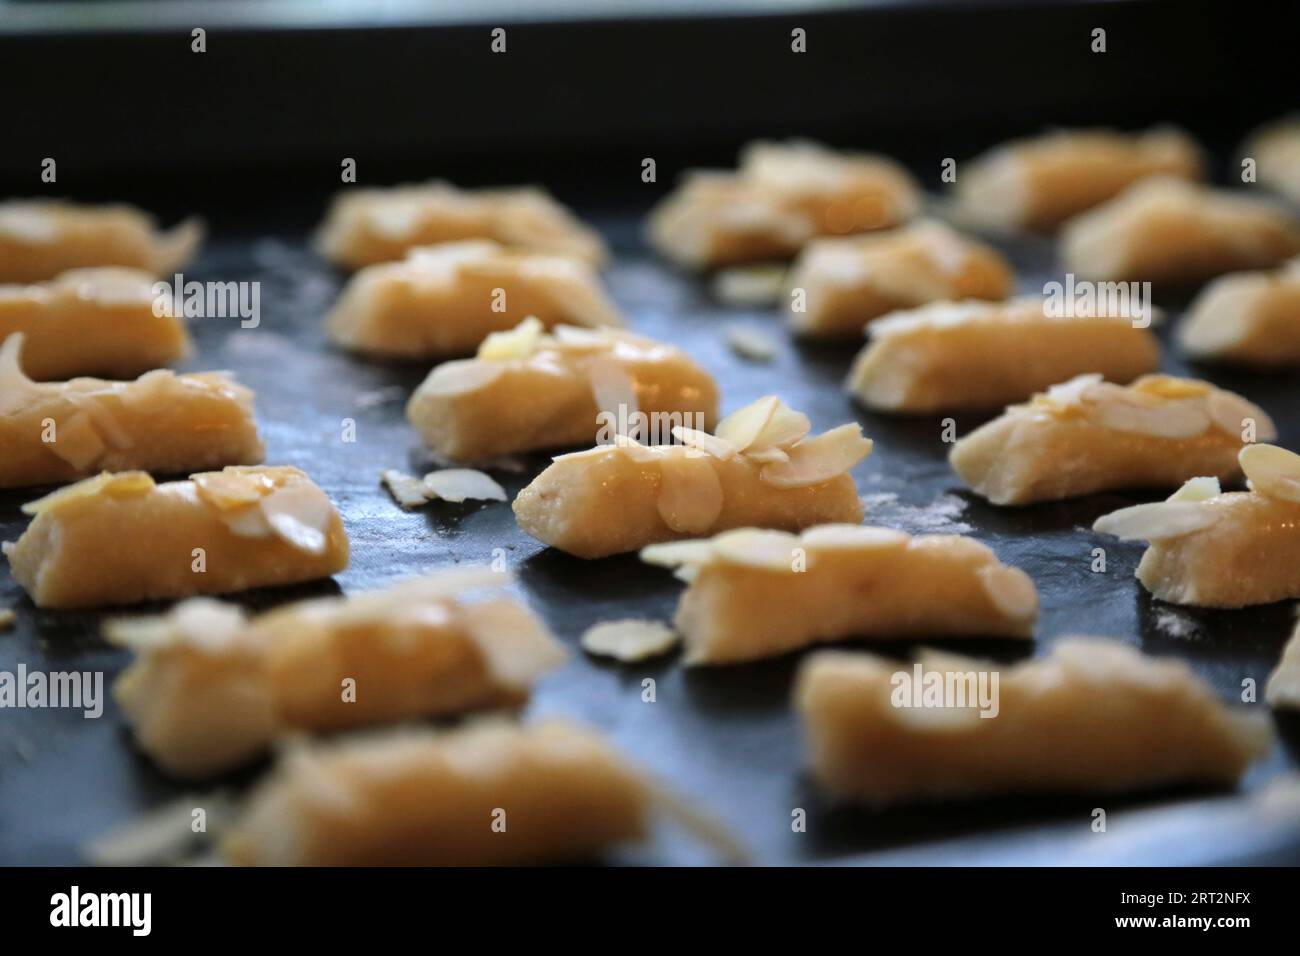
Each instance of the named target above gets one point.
<point>587,88</point>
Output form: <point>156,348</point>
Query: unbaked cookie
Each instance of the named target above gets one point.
<point>1251,318</point>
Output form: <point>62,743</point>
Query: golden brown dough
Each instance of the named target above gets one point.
<point>92,322</point>
<point>760,470</point>
<point>845,283</point>
<point>445,300</point>
<point>750,592</point>
<point>490,794</point>
<point>1172,232</point>
<point>782,196</point>
<point>1251,318</point>
<point>527,390</point>
<point>984,354</point>
<point>1041,182</point>
<point>120,538</point>
<point>1210,549</point>
<point>210,688</point>
<point>1094,716</point>
<point>40,238</point>
<point>162,423</point>
<point>1088,435</point>
<point>367,226</point>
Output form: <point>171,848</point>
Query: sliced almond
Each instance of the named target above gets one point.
<point>783,429</point>
<point>78,442</point>
<point>757,548</point>
<point>612,387</point>
<point>690,496</point>
<point>1156,521</point>
<point>629,640</point>
<point>16,389</point>
<point>1071,393</point>
<point>463,377</point>
<point>743,426</point>
<point>300,515</point>
<point>703,441</point>
<point>749,285</point>
<point>1185,418</point>
<point>1272,471</point>
<point>517,343</point>
<point>1231,412</point>
<point>815,460</point>
<point>462,484</point>
<point>407,490</point>
<point>1197,489</point>
<point>121,485</point>
<point>672,554</point>
<point>854,537</point>
<point>750,343</point>
<point>1011,590</point>
<point>232,487</point>
<point>765,456</point>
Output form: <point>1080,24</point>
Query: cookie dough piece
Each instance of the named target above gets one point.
<point>782,196</point>
<point>91,322</point>
<point>848,282</point>
<point>1088,435</point>
<point>1094,716</point>
<point>40,238</point>
<point>1210,549</point>
<point>1041,182</point>
<point>527,390</point>
<point>210,688</point>
<point>760,470</point>
<point>162,422</point>
<point>1177,233</point>
<point>490,794</point>
<point>983,354</point>
<point>1276,151</point>
<point>1283,688</point>
<point>1252,318</point>
<point>120,538</point>
<point>750,591</point>
<point>368,226</point>
<point>445,300</point>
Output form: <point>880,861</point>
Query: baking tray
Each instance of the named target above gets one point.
<point>725,738</point>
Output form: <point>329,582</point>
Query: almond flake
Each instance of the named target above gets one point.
<point>672,554</point>
<point>690,496</point>
<point>121,485</point>
<point>749,285</point>
<point>703,441</point>
<point>16,389</point>
<point>815,460</point>
<point>1156,521</point>
<point>783,429</point>
<point>462,484</point>
<point>1071,393</point>
<point>757,548</point>
<point>1231,412</point>
<point>1185,418</point>
<point>629,641</point>
<point>463,376</point>
<point>407,490</point>
<point>1272,471</point>
<point>1197,489</point>
<point>517,343</point>
<point>300,515</point>
<point>750,343</point>
<point>743,426</point>
<point>612,387</point>
<point>854,537</point>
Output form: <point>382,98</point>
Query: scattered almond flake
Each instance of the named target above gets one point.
<point>854,537</point>
<point>633,449</point>
<point>380,396</point>
<point>612,387</point>
<point>232,487</point>
<point>743,426</point>
<point>516,343</point>
<point>1156,521</point>
<point>1183,418</point>
<point>757,548</point>
<point>703,441</point>
<point>1230,412</point>
<point>462,484</point>
<point>765,456</point>
<point>1072,392</point>
<point>1197,489</point>
<point>815,460</point>
<point>462,376</point>
<point>672,554</point>
<point>751,343</point>
<point>300,515</point>
<point>16,389</point>
<point>407,490</point>
<point>1272,471</point>
<point>749,285</point>
<point>163,835</point>
<point>121,484</point>
<point>629,640</point>
<point>783,429</point>
<point>1175,624</point>
<point>7,618</point>
<point>690,493</point>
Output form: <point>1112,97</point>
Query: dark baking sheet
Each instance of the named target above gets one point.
<point>725,738</point>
